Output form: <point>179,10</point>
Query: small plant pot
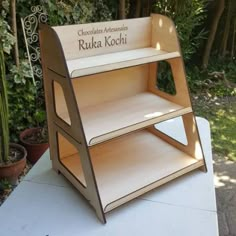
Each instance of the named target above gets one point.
<point>34,150</point>
<point>12,171</point>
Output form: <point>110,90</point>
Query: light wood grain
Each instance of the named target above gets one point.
<point>119,105</point>
<point>111,119</point>
<point>193,146</point>
<point>164,35</point>
<point>117,60</point>
<point>138,36</point>
<point>54,69</point>
<point>130,164</point>
<point>68,149</point>
<point>109,86</point>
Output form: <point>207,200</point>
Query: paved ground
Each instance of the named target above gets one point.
<point>225,182</point>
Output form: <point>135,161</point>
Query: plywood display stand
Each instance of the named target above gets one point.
<point>102,105</point>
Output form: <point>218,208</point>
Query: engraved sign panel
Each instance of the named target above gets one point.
<point>101,38</point>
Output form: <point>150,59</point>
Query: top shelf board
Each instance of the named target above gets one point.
<point>112,61</point>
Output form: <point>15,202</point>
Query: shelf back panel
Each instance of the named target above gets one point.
<point>101,88</point>
<point>84,40</point>
<point>104,87</point>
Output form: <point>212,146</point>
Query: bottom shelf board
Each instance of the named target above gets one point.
<point>129,166</point>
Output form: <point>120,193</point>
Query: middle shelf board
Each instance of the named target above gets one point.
<point>131,165</point>
<point>114,118</point>
<point>101,63</point>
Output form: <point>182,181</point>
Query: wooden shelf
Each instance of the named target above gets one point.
<point>112,119</point>
<point>101,63</point>
<point>100,78</point>
<point>131,165</point>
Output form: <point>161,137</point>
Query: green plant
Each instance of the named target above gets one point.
<point>28,109</point>
<point>165,80</point>
<point>6,38</point>
<point>4,129</point>
<point>22,99</point>
<point>41,120</point>
<point>221,113</point>
<point>5,185</point>
<point>219,80</point>
<point>69,12</point>
<point>6,42</point>
<point>101,11</point>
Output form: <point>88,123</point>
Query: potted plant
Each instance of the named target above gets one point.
<point>35,140</point>
<point>12,156</point>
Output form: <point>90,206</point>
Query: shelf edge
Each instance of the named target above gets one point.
<point>143,124</point>
<point>152,186</point>
<point>122,64</point>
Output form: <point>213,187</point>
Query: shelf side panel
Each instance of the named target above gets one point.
<point>54,68</point>
<point>60,103</point>
<point>51,50</point>
<point>177,69</point>
<point>164,35</point>
<point>193,147</point>
<point>67,149</point>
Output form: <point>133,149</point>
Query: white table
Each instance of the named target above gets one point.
<point>45,203</point>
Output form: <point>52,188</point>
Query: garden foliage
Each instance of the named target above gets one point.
<point>6,42</point>
<point>26,103</point>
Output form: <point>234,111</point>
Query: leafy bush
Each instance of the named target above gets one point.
<point>165,81</point>
<point>219,80</point>
<point>26,101</point>
<point>227,65</point>
<point>102,11</point>
<point>188,16</point>
<point>7,39</point>
<point>22,99</point>
<point>68,11</point>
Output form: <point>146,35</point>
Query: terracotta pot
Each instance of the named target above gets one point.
<point>35,151</point>
<point>12,171</point>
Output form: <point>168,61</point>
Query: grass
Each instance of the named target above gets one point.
<point>221,113</point>
<point>215,100</point>
<point>224,131</point>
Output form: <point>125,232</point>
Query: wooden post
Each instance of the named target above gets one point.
<point>122,14</point>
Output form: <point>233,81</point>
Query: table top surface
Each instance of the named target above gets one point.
<point>46,204</point>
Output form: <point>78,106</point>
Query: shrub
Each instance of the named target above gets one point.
<point>22,99</point>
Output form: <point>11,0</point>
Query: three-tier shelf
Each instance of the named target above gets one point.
<point>103,103</point>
